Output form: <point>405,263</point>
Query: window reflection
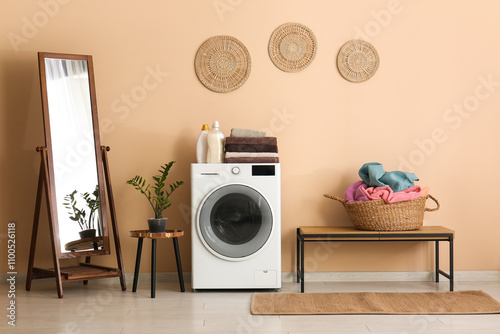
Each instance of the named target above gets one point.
<point>72,139</point>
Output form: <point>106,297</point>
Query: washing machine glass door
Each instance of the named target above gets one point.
<point>235,221</point>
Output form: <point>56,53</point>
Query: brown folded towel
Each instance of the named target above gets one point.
<point>252,140</point>
<point>229,154</point>
<point>251,144</point>
<point>252,160</point>
<point>251,148</point>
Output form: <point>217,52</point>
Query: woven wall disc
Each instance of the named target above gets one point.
<point>357,60</point>
<point>292,47</point>
<point>222,64</point>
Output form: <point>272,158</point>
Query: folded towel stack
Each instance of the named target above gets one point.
<point>236,132</point>
<point>253,148</point>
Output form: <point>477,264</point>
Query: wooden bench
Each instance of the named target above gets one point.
<point>351,234</point>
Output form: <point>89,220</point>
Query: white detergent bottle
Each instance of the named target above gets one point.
<point>215,140</point>
<point>202,145</point>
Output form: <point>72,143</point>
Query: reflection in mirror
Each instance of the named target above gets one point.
<point>74,156</point>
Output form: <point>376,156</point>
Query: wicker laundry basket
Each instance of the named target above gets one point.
<point>376,215</point>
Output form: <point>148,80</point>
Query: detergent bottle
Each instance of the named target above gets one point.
<point>215,141</point>
<point>202,145</point>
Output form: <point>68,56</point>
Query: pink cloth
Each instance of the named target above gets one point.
<point>355,194</point>
<point>389,196</point>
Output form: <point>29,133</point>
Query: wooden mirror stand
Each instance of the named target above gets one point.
<point>74,174</point>
<point>84,271</point>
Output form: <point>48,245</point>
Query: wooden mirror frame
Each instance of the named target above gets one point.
<point>42,56</point>
<point>83,271</point>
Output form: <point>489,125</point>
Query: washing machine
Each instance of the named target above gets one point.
<point>236,226</point>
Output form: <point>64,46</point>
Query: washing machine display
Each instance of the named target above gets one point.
<point>235,221</point>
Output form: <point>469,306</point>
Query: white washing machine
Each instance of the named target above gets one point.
<point>236,226</point>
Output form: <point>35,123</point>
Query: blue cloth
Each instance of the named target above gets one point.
<point>373,174</point>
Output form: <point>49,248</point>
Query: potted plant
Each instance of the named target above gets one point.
<point>159,199</point>
<point>79,215</point>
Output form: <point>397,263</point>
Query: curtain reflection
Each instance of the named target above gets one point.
<point>74,156</point>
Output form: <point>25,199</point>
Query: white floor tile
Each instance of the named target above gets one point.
<point>101,307</point>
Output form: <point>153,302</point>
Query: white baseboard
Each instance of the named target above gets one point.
<point>391,276</point>
<point>288,277</point>
<point>170,277</point>
<point>359,276</point>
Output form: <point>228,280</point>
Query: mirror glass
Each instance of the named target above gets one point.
<point>72,142</point>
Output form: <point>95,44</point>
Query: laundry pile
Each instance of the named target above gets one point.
<point>376,183</point>
<point>250,146</point>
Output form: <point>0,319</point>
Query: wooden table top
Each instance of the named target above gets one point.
<point>147,234</point>
<point>351,231</point>
<point>84,244</point>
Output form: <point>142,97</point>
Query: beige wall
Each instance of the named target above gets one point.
<point>437,58</point>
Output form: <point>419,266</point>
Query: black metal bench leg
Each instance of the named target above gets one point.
<point>137,264</point>
<point>298,257</point>
<point>437,260</point>
<point>452,275</point>
<point>179,266</point>
<point>302,264</point>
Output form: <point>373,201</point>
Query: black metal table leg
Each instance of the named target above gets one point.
<point>302,264</point>
<point>87,260</point>
<point>451,265</point>
<point>153,268</point>
<point>179,266</point>
<point>437,260</point>
<point>137,264</point>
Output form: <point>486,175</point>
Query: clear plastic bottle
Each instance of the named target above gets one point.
<point>202,145</point>
<point>215,140</point>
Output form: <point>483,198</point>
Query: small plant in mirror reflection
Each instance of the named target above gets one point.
<point>79,215</point>
<point>160,198</point>
<point>93,204</point>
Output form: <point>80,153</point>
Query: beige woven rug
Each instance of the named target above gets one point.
<point>458,302</point>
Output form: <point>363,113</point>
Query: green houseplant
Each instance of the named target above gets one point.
<point>157,196</point>
<point>78,215</point>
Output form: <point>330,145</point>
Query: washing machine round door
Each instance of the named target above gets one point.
<point>235,221</point>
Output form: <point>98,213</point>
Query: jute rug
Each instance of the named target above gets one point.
<point>459,302</point>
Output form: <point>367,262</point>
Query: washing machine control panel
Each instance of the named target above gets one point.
<point>235,170</point>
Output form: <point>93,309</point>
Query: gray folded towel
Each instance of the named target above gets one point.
<point>236,132</point>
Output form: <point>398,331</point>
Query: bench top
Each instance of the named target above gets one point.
<point>352,233</point>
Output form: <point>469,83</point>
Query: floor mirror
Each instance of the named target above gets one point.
<point>74,176</point>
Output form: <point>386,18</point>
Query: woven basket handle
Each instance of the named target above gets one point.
<point>335,198</point>
<point>437,203</point>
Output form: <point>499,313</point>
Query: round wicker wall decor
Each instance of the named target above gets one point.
<point>222,64</point>
<point>357,60</point>
<point>292,47</point>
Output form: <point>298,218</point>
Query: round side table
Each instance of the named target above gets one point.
<point>168,234</point>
